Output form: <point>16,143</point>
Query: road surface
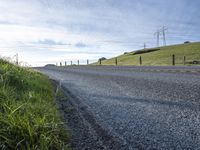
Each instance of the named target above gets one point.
<point>145,107</point>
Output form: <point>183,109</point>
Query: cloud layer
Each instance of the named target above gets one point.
<point>48,31</point>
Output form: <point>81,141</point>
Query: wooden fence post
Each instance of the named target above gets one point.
<point>140,59</point>
<point>173,60</point>
<point>78,62</point>
<point>116,61</point>
<point>71,63</point>
<point>184,60</point>
<point>87,62</point>
<point>99,61</point>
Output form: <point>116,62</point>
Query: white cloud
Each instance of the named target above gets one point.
<point>107,27</point>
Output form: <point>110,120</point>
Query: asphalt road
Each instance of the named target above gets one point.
<point>146,107</point>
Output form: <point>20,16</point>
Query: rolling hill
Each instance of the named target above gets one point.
<point>159,56</point>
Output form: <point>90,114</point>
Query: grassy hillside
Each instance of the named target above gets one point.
<point>28,114</point>
<point>160,56</point>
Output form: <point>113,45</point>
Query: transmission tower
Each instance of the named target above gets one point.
<point>157,33</point>
<point>163,33</point>
<point>144,45</point>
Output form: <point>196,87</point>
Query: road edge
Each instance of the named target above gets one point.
<point>86,133</point>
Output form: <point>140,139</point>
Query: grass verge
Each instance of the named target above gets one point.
<point>29,118</point>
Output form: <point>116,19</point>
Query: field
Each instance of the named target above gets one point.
<point>160,56</point>
<point>29,118</point>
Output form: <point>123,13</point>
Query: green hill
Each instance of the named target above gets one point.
<point>160,56</point>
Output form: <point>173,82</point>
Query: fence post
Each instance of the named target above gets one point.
<point>87,62</point>
<point>65,63</point>
<point>71,63</point>
<point>78,62</point>
<point>173,60</point>
<point>99,61</point>
<point>60,63</point>
<point>116,61</point>
<point>184,60</point>
<point>17,59</point>
<point>140,59</point>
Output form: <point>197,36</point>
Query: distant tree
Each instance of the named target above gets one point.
<point>102,58</point>
<point>186,42</point>
<point>50,65</point>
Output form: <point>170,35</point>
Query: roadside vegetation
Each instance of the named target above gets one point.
<point>160,56</point>
<point>29,119</point>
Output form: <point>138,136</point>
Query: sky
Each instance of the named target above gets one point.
<point>53,31</point>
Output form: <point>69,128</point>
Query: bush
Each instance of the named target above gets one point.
<point>186,42</point>
<point>102,58</point>
<point>145,51</point>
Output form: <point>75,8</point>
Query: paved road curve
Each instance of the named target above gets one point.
<point>145,109</point>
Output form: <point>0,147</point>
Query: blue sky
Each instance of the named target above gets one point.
<point>49,31</point>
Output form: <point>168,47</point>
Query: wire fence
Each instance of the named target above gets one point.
<point>171,60</point>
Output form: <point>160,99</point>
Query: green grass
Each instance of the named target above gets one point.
<point>29,119</point>
<point>161,57</point>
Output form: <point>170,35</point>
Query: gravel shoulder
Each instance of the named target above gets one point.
<point>86,134</point>
<point>138,109</point>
